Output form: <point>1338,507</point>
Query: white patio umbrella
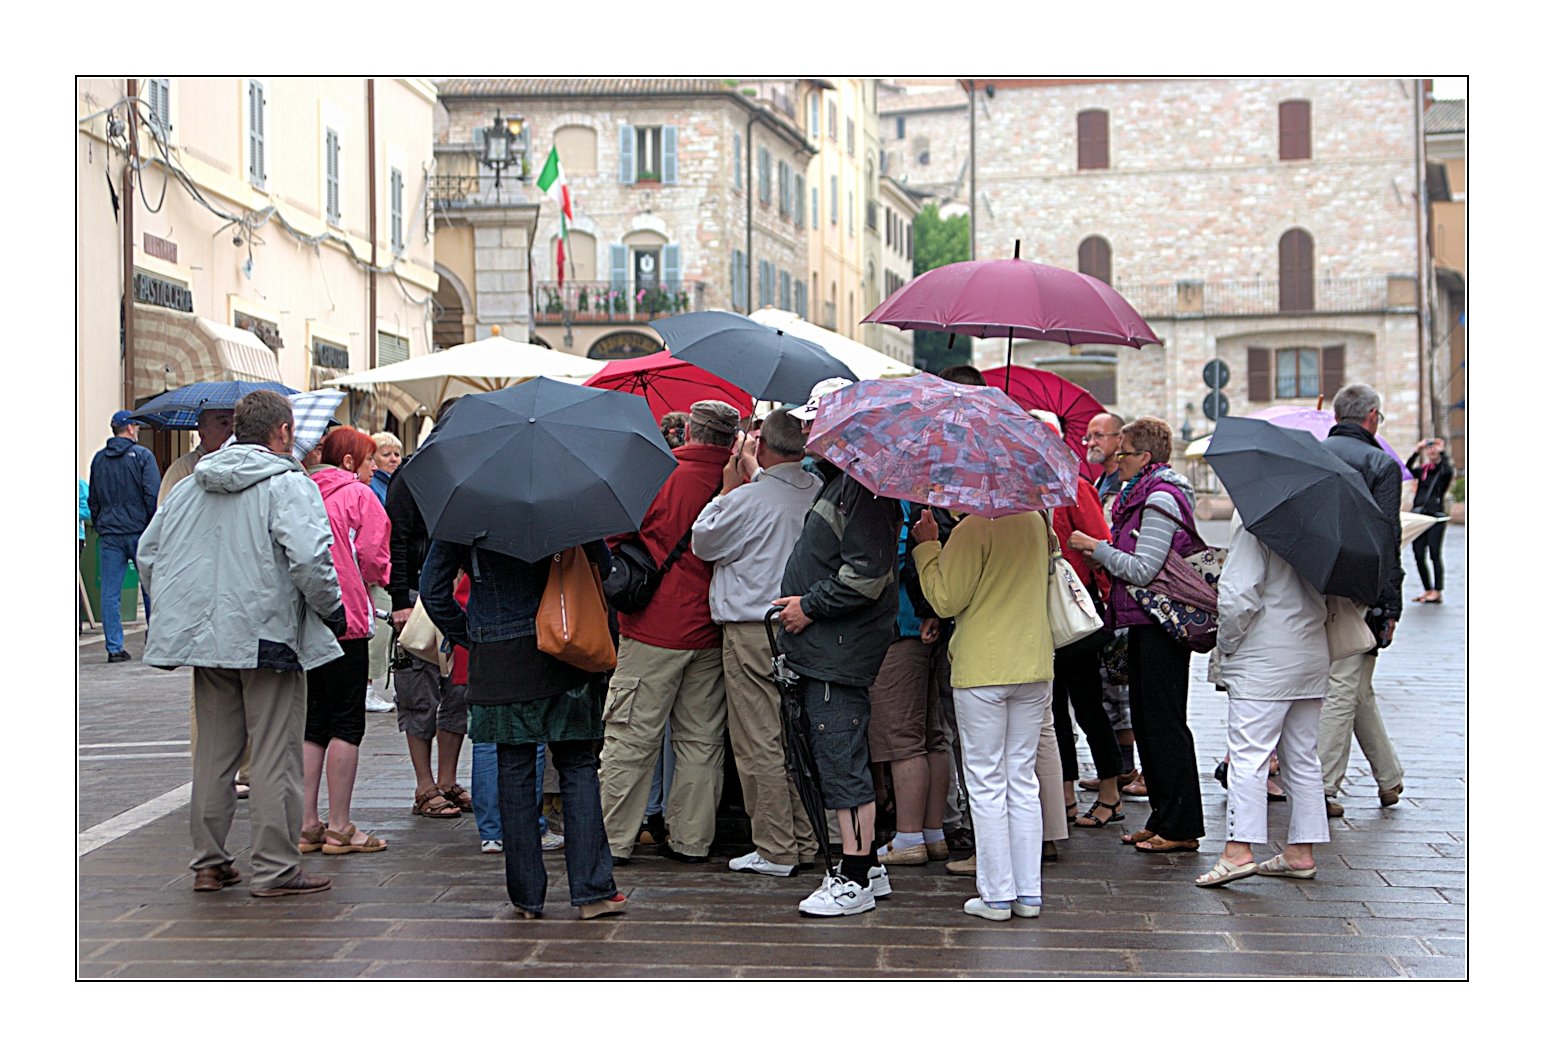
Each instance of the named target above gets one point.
<point>476,367</point>
<point>865,362</point>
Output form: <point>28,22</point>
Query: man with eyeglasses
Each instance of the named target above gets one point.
<point>1350,706</point>
<point>1101,440</point>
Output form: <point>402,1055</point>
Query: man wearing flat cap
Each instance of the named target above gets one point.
<point>669,661</point>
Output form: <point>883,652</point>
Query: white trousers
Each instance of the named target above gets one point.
<point>1000,729</point>
<point>1291,728</point>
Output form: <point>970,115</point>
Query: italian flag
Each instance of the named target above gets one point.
<point>554,183</point>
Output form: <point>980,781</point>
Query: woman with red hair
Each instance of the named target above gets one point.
<point>335,692</point>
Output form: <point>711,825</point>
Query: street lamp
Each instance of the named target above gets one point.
<point>498,152</point>
<point>1186,430</point>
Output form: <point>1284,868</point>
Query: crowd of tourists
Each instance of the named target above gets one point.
<point>943,721</point>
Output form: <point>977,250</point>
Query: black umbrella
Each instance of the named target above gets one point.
<point>545,465</point>
<point>767,363</point>
<point>798,750</point>
<point>1304,503</point>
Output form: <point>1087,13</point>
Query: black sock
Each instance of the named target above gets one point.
<point>1128,758</point>
<point>857,867</point>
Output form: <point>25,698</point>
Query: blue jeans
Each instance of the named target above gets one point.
<point>664,772</point>
<point>485,789</point>
<point>585,849</point>
<point>116,552</point>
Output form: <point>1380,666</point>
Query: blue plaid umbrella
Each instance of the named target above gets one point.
<point>313,411</point>
<point>179,408</point>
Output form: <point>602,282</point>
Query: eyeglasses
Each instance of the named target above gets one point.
<point>1091,437</point>
<point>1123,454</point>
<point>1382,418</point>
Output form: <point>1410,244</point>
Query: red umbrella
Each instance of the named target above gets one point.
<point>1037,390</point>
<point>668,384</point>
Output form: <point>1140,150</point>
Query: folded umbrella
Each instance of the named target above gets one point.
<point>1037,390</point>
<point>546,465</point>
<point>1304,503</point>
<point>668,384</point>
<point>798,748</point>
<point>965,448</point>
<point>178,408</point>
<point>767,363</point>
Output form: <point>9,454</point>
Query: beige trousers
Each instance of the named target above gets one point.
<point>266,709</point>
<point>380,642</point>
<point>779,826</point>
<point>652,684</point>
<point>244,775</point>
<point>1048,769</point>
<point>1351,707</point>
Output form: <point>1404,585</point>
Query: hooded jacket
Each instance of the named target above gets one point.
<point>1354,445</point>
<point>124,482</point>
<point>843,567</point>
<point>242,568</point>
<point>409,539</point>
<point>361,544</point>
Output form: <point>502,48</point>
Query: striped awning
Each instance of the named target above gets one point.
<point>173,349</point>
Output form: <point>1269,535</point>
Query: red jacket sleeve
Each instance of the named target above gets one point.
<point>1086,516</point>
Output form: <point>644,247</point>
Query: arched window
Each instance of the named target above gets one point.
<point>1094,258</point>
<point>1296,271</point>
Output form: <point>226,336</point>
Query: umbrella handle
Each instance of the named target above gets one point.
<point>767,623</point>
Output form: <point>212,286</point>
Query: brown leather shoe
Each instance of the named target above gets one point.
<point>214,878</point>
<point>302,884</point>
<point>1390,797</point>
<point>1332,809</point>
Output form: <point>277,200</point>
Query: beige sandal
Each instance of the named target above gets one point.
<point>345,839</point>
<point>424,804</point>
<point>313,839</point>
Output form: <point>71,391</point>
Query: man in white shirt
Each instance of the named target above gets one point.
<point>748,531</point>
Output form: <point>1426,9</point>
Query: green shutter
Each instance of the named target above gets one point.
<point>628,170</point>
<point>669,168</point>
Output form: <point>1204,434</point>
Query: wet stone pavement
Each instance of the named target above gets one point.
<point>1389,900</point>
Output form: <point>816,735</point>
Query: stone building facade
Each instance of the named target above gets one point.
<point>663,174</point>
<point>924,133</point>
<point>1269,223</point>
<point>1447,154</point>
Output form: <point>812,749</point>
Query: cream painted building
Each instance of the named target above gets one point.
<point>897,210</point>
<point>834,114</point>
<point>688,194</point>
<point>254,258</point>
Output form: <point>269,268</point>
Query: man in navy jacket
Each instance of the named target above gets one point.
<point>124,482</point>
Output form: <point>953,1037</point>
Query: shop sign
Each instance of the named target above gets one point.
<point>624,345</point>
<point>153,290</point>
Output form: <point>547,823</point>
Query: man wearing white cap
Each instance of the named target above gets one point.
<point>840,598</point>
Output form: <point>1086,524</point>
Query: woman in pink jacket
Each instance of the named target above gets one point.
<point>335,692</point>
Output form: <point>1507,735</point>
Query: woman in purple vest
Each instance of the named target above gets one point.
<point>1151,516</point>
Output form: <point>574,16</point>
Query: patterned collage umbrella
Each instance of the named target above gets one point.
<point>965,448</point>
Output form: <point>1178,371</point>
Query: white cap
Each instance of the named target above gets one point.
<point>822,388</point>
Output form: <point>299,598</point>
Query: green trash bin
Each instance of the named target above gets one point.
<point>91,576</point>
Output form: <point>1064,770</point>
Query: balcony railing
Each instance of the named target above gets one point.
<point>449,192</point>
<point>596,302</point>
<point>1263,297</point>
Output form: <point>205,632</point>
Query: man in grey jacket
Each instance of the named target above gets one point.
<point>747,531</point>
<point>243,562</point>
<point>1350,706</point>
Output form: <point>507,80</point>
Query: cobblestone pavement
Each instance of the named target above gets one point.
<point>1389,900</point>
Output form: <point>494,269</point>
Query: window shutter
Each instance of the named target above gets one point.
<point>619,267</point>
<point>1296,271</point>
<point>814,206</point>
<point>396,211</point>
<point>798,200</point>
<point>831,123</point>
<point>1259,376</point>
<point>852,212</point>
<point>1093,139</point>
<point>801,299</point>
<point>334,203</point>
<point>764,175</point>
<point>836,205</point>
<point>737,280</point>
<point>626,145</point>
<point>161,100</point>
<point>1332,367</point>
<point>389,348</point>
<point>852,143</point>
<point>784,291</point>
<point>815,116</point>
<point>672,267</point>
<point>1094,258</point>
<point>1294,121</point>
<point>737,175</point>
<point>257,170</point>
<point>668,138</point>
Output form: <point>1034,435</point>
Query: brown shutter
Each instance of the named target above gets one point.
<point>1094,258</point>
<point>1332,370</point>
<point>1296,271</point>
<point>1293,118</point>
<point>1093,139</point>
<point>1259,376</point>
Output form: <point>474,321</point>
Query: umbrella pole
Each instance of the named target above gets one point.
<point>1008,373</point>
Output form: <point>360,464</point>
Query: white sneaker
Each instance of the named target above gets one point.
<point>754,863</point>
<point>374,702</point>
<point>551,841</point>
<point>977,907</point>
<point>1024,910</point>
<point>837,897</point>
<point>879,882</point>
<point>493,847</point>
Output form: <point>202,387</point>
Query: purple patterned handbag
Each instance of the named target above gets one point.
<point>1182,598</point>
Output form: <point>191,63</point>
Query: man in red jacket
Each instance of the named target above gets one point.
<point>670,663</point>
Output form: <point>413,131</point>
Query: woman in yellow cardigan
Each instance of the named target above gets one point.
<point>992,579</point>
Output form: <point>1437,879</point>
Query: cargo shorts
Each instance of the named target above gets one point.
<point>839,722</point>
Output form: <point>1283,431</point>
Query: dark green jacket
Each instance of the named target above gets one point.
<point>844,568</point>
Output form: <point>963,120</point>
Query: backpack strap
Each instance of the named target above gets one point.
<point>675,553</point>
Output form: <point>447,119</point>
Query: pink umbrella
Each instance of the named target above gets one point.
<point>1318,422</point>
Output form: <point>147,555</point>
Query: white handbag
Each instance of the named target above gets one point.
<point>1069,608</point>
<point>420,638</point>
<point>1346,628</point>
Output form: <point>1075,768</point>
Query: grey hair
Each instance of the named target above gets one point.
<point>1355,402</point>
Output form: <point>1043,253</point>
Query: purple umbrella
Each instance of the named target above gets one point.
<point>1318,422</point>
